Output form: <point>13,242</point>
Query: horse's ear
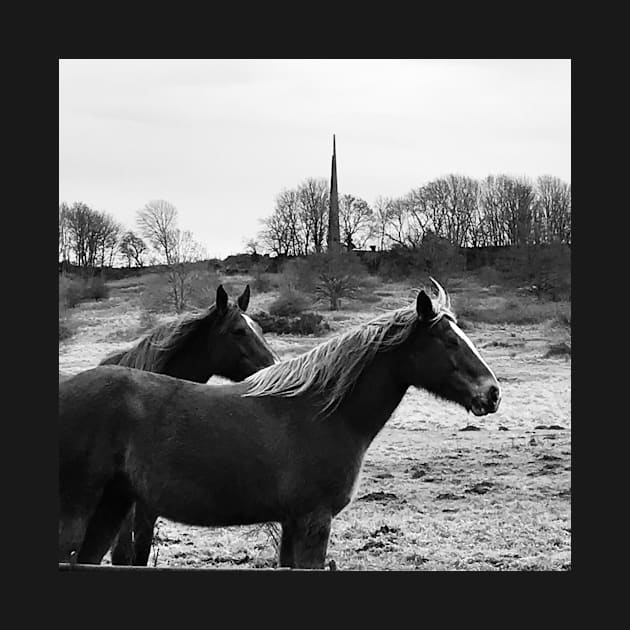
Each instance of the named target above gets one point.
<point>222,299</point>
<point>424,306</point>
<point>243,299</point>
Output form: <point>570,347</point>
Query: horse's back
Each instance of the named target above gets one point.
<point>87,401</point>
<point>134,401</point>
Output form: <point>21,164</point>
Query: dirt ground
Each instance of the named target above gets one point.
<point>440,489</point>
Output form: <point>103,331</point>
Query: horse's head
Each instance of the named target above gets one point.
<point>441,358</point>
<point>237,341</point>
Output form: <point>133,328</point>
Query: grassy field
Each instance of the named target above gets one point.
<point>440,489</point>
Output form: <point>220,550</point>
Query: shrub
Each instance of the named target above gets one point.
<point>73,290</point>
<point>547,268</point>
<point>550,270</point>
<point>310,324</point>
<point>289,304</point>
<point>303,324</point>
<point>66,328</point>
<point>95,289</point>
<point>156,297</point>
<point>201,288</point>
<point>435,256</point>
<point>197,287</point>
<point>338,277</point>
<point>558,349</point>
<point>70,292</point>
<point>489,275</point>
<point>262,281</point>
<point>298,274</point>
<point>324,277</point>
<point>514,311</point>
<point>369,282</point>
<point>398,264</point>
<point>439,256</point>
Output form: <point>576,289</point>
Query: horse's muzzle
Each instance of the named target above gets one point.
<point>486,402</point>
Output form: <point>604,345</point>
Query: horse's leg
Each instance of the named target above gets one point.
<point>122,549</point>
<point>286,546</point>
<point>309,537</point>
<point>105,523</point>
<point>71,534</point>
<point>76,509</point>
<point>143,525</point>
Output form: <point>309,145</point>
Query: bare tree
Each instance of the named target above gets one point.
<point>381,218</point>
<point>313,197</point>
<point>90,235</point>
<point>64,233</point>
<point>498,211</point>
<point>398,228</point>
<point>157,222</point>
<point>463,216</point>
<point>132,247</point>
<point>338,276</point>
<point>282,233</point>
<point>272,235</point>
<point>447,207</point>
<point>552,222</point>
<point>252,246</point>
<point>108,238</point>
<point>494,225</point>
<point>186,250</point>
<point>520,209</point>
<point>77,222</point>
<point>417,209</point>
<point>356,221</point>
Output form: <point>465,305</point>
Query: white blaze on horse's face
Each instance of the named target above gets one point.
<point>462,335</point>
<point>258,332</point>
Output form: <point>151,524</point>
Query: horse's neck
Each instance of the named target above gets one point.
<point>193,362</point>
<point>375,396</point>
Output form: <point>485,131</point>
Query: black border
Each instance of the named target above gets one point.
<point>34,461</point>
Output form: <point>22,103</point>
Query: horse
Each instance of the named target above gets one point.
<point>285,445</point>
<point>221,340</point>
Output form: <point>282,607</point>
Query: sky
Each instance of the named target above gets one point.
<point>221,138</point>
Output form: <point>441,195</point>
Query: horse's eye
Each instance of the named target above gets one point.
<point>240,331</point>
<point>451,343</point>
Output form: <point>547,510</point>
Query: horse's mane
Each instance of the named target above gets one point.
<point>153,352</point>
<point>333,367</point>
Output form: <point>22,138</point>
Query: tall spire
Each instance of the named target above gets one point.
<point>333,213</point>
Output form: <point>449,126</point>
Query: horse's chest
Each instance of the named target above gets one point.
<point>333,484</point>
<point>350,488</point>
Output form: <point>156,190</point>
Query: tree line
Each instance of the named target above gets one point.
<point>500,210</point>
<point>92,240</point>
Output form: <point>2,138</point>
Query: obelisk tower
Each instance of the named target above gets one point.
<point>333,213</point>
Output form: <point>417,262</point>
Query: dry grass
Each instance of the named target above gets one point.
<point>431,497</point>
<point>516,310</point>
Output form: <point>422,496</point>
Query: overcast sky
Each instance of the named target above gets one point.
<point>221,138</point>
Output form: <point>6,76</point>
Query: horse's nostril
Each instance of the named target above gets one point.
<point>493,394</point>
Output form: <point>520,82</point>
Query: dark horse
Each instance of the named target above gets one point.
<point>285,445</point>
<point>221,340</point>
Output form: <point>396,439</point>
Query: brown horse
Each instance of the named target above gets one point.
<point>222,340</point>
<point>285,445</point>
